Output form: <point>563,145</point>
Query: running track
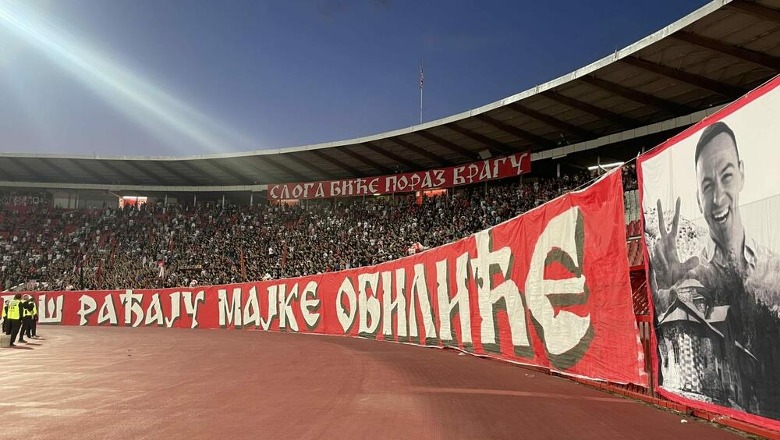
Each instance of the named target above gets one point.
<point>153,383</point>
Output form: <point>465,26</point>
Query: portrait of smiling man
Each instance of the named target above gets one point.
<point>729,254</point>
<point>721,177</point>
<point>730,288</point>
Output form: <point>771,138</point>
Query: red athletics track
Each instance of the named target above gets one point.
<point>153,383</point>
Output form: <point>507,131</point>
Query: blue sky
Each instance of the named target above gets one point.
<point>186,77</point>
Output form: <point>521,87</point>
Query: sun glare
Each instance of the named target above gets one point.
<point>167,118</point>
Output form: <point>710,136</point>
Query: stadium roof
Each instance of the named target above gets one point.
<point>667,80</point>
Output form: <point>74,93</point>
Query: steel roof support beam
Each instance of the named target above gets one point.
<point>53,165</point>
<point>248,169</point>
<point>536,141</point>
<point>4,167</point>
<point>188,164</point>
<point>124,177</point>
<point>266,172</point>
<point>353,171</point>
<point>192,166</point>
<point>381,168</point>
<point>592,109</point>
<point>96,177</point>
<point>306,164</point>
<point>171,170</point>
<point>733,51</point>
<point>689,78</point>
<point>465,152</point>
<point>26,168</point>
<point>154,177</point>
<point>231,172</point>
<point>481,138</point>
<point>636,96</point>
<point>274,162</point>
<point>409,164</point>
<point>554,122</point>
<point>422,152</point>
<point>757,10</point>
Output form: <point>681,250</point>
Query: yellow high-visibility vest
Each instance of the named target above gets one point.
<point>25,311</point>
<point>34,309</point>
<point>13,309</point>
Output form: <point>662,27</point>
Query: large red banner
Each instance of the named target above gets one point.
<point>475,172</point>
<point>549,288</point>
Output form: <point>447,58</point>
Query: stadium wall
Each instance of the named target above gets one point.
<point>549,288</point>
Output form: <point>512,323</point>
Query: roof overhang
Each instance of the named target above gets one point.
<point>667,80</point>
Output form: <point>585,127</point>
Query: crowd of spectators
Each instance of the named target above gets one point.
<point>152,246</point>
<point>630,181</point>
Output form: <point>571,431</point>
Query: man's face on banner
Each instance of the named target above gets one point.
<point>720,176</point>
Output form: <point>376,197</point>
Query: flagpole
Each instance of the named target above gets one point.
<point>422,80</point>
<point>421,105</point>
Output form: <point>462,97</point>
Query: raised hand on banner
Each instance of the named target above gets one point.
<point>665,262</point>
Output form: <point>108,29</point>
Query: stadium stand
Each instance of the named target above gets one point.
<point>49,248</point>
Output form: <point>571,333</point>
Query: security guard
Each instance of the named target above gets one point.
<point>28,325</point>
<point>6,328</point>
<point>27,312</point>
<point>34,321</point>
<point>14,316</point>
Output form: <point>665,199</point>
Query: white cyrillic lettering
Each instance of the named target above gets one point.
<point>154,312</point>
<point>458,304</point>
<point>335,189</point>
<point>252,309</point>
<point>346,317</point>
<point>229,312</point>
<point>457,178</point>
<point>132,304</point>
<point>394,307</point>
<point>516,161</point>
<point>506,294</point>
<point>87,306</point>
<point>310,305</point>
<point>563,330</point>
<point>273,292</point>
<point>286,316</point>
<point>191,305</point>
<point>420,291</point>
<point>49,311</point>
<point>175,298</point>
<point>368,305</point>
<point>372,185</point>
<point>107,312</point>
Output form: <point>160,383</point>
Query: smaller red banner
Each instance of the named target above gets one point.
<point>466,174</point>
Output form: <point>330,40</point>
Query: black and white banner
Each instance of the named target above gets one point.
<point>711,203</point>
